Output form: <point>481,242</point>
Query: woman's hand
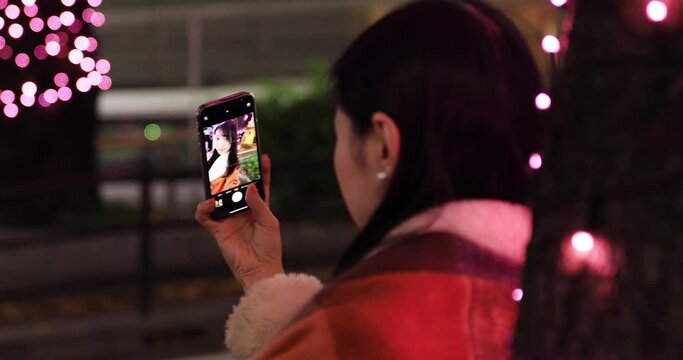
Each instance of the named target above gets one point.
<point>250,242</point>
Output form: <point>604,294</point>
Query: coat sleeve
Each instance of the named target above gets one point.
<point>265,309</point>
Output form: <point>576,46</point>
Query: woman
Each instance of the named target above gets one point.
<point>435,123</point>
<point>224,169</point>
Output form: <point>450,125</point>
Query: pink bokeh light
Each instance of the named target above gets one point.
<point>51,37</point>
<point>2,42</point>
<point>517,294</point>
<point>22,60</point>
<point>2,23</point>
<point>63,38</point>
<point>98,19</point>
<point>36,24</point>
<point>92,44</point>
<point>61,79</point>
<point>95,3</point>
<point>12,12</point>
<point>68,2</point>
<point>550,44</point>
<point>88,64</point>
<point>543,101</point>
<point>42,101</point>
<point>76,27</point>
<point>31,10</point>
<point>583,241</point>
<point>83,85</point>
<point>51,96</point>
<point>64,93</point>
<point>103,66</point>
<point>7,96</point>
<point>27,100</point>
<point>11,110</point>
<point>54,23</point>
<point>87,14</point>
<point>106,83</point>
<point>28,2</point>
<point>40,53</point>
<point>52,48</point>
<point>6,52</point>
<point>558,3</point>
<point>67,18</point>
<point>3,4</point>
<point>81,43</point>
<point>657,11</point>
<point>95,78</point>
<point>75,56</point>
<point>15,31</point>
<point>29,88</point>
<point>535,161</point>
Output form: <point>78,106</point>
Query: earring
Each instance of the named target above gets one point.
<point>381,175</point>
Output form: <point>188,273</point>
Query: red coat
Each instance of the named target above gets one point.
<point>434,296</point>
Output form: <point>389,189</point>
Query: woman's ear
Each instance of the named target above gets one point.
<point>387,144</point>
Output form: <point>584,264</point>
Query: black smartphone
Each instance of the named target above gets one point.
<point>230,154</point>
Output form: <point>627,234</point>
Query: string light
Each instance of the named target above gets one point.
<point>36,24</point>
<point>27,100</point>
<point>12,12</point>
<point>81,43</point>
<point>52,48</point>
<point>83,85</point>
<point>543,101</point>
<point>11,110</point>
<point>517,294</point>
<point>51,96</point>
<point>22,60</point>
<point>54,22</point>
<point>29,88</point>
<point>75,56</point>
<point>550,44</point>
<point>535,161</point>
<point>61,79</point>
<point>95,78</point>
<point>67,18</point>
<point>558,3</point>
<point>102,66</point>
<point>7,97</point>
<point>31,10</point>
<point>583,242</point>
<point>88,64</point>
<point>64,93</point>
<point>15,31</point>
<point>63,39</point>
<point>656,10</point>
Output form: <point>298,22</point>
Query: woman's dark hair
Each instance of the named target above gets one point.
<point>229,130</point>
<point>459,81</point>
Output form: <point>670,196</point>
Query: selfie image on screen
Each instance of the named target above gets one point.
<point>231,153</point>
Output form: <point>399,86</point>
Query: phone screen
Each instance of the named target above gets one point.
<point>229,142</point>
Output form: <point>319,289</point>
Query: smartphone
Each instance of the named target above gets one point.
<point>230,153</point>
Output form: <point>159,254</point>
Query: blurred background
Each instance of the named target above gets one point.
<point>99,254</point>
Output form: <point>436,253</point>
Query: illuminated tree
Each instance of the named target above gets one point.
<point>50,74</point>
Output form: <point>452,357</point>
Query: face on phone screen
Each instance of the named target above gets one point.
<point>230,146</point>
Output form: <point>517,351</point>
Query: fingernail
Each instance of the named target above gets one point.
<point>250,189</point>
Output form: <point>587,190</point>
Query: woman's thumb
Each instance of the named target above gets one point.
<point>258,207</point>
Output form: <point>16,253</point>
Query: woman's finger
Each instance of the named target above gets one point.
<point>259,208</point>
<point>265,167</point>
<point>203,212</point>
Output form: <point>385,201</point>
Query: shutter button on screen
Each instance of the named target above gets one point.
<point>237,196</point>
